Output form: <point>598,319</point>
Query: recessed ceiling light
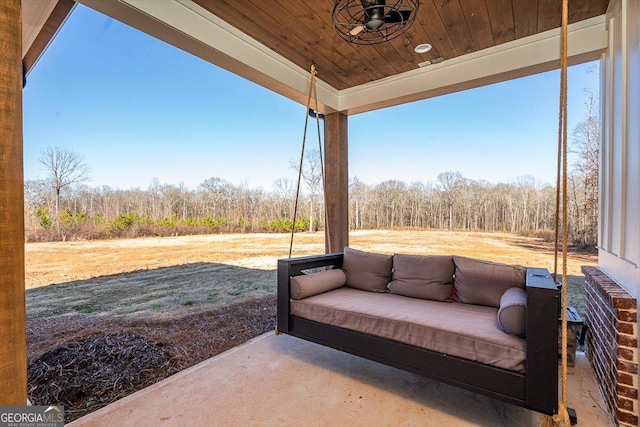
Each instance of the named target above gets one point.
<point>422,48</point>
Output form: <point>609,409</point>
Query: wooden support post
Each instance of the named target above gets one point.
<point>13,352</point>
<point>337,182</point>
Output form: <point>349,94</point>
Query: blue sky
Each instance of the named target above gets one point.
<point>138,109</point>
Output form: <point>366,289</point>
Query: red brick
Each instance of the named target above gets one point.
<point>629,392</point>
<point>622,302</point>
<point>625,354</point>
<point>625,378</point>
<point>625,404</point>
<point>626,328</point>
<point>627,340</point>
<point>626,417</point>
<point>628,367</point>
<point>627,316</point>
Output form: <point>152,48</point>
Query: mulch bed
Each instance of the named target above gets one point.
<point>85,362</point>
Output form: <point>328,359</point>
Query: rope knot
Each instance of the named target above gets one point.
<point>556,420</point>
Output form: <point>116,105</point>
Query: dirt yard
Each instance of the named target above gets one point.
<point>181,300</point>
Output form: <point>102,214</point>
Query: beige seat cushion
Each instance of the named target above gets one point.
<point>483,282</point>
<point>426,277</point>
<point>366,270</point>
<point>463,330</point>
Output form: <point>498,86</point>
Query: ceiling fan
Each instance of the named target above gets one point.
<point>373,21</point>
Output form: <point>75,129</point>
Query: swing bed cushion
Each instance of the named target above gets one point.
<point>461,343</point>
<point>463,330</point>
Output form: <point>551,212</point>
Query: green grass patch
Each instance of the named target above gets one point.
<point>87,309</point>
<point>188,302</point>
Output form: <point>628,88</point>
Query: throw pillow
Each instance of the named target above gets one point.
<point>483,282</point>
<point>307,285</point>
<point>513,311</point>
<point>426,277</point>
<point>367,271</point>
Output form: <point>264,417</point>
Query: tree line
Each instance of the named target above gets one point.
<point>61,207</point>
<point>218,206</point>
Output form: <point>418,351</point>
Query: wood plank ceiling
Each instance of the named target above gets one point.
<point>302,31</point>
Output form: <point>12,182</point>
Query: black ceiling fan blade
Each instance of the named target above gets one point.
<point>373,7</point>
<point>397,17</point>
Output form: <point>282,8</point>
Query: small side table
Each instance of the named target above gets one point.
<point>574,326</point>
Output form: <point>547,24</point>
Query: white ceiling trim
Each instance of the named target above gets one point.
<point>193,29</point>
<point>34,15</point>
<point>526,56</point>
<point>199,24</point>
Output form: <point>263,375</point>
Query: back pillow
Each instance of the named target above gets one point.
<point>426,277</point>
<point>367,271</point>
<point>483,282</point>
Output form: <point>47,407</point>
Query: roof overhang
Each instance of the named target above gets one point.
<point>191,28</point>
<point>41,21</point>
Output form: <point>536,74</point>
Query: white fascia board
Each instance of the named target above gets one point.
<point>250,58</point>
<point>34,15</point>
<point>526,56</point>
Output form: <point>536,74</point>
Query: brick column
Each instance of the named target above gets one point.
<point>612,344</point>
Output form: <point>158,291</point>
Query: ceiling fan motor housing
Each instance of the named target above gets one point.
<point>369,22</point>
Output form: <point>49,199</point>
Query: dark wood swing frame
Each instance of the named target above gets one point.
<point>536,389</point>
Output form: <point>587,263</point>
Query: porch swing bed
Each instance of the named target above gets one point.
<point>432,338</point>
<point>486,327</point>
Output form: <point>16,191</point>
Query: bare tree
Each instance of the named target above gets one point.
<point>217,191</point>
<point>64,168</point>
<point>450,184</point>
<point>312,176</point>
<point>358,192</point>
<point>586,144</point>
<point>284,192</point>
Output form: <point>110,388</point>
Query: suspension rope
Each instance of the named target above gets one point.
<point>556,247</point>
<point>563,415</point>
<point>312,91</point>
<point>324,181</point>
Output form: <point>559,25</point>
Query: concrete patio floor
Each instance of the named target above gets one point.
<point>284,381</point>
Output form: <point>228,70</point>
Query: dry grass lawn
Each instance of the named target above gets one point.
<point>176,276</point>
